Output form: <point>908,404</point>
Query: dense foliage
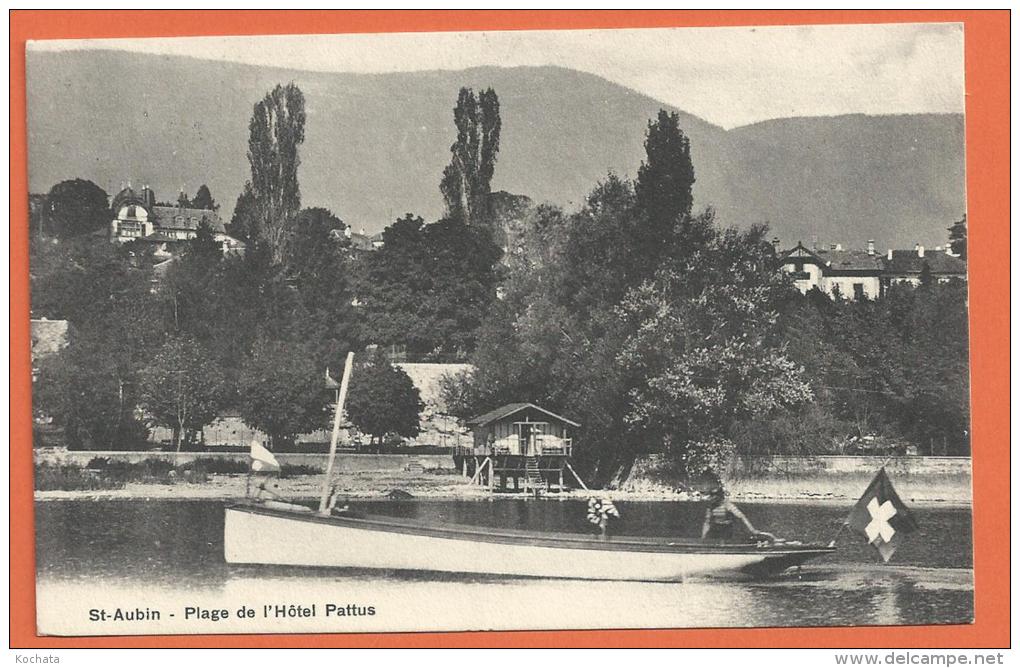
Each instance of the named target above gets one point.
<point>428,287</point>
<point>633,314</point>
<point>382,399</point>
<point>182,388</point>
<point>281,391</point>
<point>73,208</point>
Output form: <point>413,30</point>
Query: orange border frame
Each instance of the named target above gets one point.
<point>987,44</point>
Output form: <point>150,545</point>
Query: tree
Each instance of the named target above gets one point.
<point>243,221</point>
<point>467,180</point>
<point>276,131</point>
<point>318,240</point>
<point>666,177</point>
<point>89,389</point>
<point>182,388</point>
<point>320,268</point>
<point>86,280</point>
<point>282,390</point>
<point>204,199</point>
<point>598,262</point>
<point>75,207</point>
<point>389,289</point>
<point>383,400</point>
<point>429,286</point>
<point>507,214</point>
<point>664,195</point>
<point>958,237</point>
<point>705,348</point>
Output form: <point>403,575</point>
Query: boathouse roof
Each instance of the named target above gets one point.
<point>509,409</point>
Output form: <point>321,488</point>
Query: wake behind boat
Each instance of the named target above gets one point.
<point>280,534</point>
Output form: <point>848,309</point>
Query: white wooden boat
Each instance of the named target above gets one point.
<point>273,532</point>
<point>263,534</point>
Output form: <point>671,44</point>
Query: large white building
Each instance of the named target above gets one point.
<point>137,217</point>
<point>865,274</point>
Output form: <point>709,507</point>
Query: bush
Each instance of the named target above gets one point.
<point>217,466</point>
<point>71,478</point>
<point>288,470</point>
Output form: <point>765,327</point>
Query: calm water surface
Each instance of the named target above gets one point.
<point>179,545</point>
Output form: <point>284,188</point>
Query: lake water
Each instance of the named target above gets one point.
<point>168,555</point>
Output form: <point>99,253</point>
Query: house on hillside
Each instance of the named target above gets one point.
<point>850,273</point>
<point>865,274</point>
<point>137,217</point>
<point>905,266</point>
<point>362,242</point>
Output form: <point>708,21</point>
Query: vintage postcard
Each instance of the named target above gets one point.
<point>500,330</point>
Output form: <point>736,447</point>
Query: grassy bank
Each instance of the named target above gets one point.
<point>102,473</point>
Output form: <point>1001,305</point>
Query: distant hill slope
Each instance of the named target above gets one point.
<point>376,144</point>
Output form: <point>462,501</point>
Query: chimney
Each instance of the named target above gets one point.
<point>775,245</point>
<point>814,242</point>
<point>871,246</point>
<point>920,251</point>
<point>888,255</point>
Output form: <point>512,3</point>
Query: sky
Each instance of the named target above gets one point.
<point>727,76</point>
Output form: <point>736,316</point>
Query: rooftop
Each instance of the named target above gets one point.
<point>910,262</point>
<point>184,218</point>
<point>509,409</point>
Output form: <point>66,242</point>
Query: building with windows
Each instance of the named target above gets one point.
<point>906,266</point>
<point>137,217</point>
<point>865,274</point>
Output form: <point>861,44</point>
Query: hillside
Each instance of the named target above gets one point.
<point>376,144</point>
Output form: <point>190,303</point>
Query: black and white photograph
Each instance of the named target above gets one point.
<point>500,330</point>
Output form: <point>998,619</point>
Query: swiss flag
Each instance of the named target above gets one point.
<point>882,517</point>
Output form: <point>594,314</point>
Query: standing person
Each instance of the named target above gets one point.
<point>722,514</point>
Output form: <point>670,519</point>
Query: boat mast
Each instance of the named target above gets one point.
<point>341,398</point>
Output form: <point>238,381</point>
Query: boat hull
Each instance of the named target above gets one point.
<point>256,535</point>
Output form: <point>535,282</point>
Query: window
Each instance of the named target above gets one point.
<point>859,291</point>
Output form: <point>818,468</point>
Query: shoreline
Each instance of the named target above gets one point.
<point>376,486</point>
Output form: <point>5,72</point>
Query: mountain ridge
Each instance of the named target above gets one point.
<point>377,143</point>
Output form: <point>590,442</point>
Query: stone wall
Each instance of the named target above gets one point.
<point>942,479</point>
<point>344,461</point>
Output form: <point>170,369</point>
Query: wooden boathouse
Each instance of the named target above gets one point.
<point>521,442</point>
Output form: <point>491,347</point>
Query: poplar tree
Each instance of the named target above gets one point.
<point>276,130</point>
<point>467,180</point>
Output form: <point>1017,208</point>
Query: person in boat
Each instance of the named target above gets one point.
<point>722,515</point>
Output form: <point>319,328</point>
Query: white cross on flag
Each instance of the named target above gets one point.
<point>882,517</point>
